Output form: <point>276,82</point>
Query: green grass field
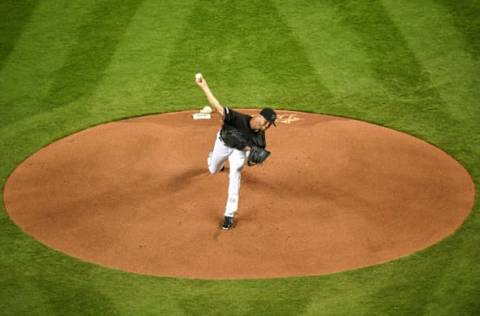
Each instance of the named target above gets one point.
<point>413,66</point>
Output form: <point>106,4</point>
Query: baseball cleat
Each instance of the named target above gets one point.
<point>227,223</point>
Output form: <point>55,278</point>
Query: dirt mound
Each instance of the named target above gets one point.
<point>336,194</point>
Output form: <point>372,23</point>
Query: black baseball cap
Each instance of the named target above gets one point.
<point>269,115</point>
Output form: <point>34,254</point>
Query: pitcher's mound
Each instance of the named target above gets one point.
<point>336,194</point>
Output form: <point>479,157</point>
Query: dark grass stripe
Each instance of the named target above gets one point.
<point>246,50</point>
<point>13,17</point>
<point>466,17</point>
<point>88,59</point>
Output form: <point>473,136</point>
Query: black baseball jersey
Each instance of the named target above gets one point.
<point>241,122</point>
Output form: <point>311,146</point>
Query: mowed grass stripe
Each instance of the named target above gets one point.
<point>411,95</point>
<point>13,17</point>
<point>39,51</point>
<point>336,52</point>
<point>135,71</point>
<point>96,43</point>
<point>440,48</point>
<point>465,15</point>
<point>29,292</point>
<point>247,54</point>
<point>391,59</point>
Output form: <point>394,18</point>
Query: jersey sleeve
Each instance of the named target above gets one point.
<point>229,115</point>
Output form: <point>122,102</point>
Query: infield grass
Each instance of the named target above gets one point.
<point>410,66</point>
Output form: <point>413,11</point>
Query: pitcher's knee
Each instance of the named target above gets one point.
<point>235,172</point>
<point>236,168</point>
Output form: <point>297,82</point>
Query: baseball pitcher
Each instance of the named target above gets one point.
<point>241,139</point>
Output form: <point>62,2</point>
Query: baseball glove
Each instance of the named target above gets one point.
<point>257,156</point>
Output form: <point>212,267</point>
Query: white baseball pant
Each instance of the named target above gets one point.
<point>236,160</point>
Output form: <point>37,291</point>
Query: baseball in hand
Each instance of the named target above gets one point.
<point>206,110</point>
<point>198,77</point>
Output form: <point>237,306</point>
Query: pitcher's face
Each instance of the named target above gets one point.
<point>260,123</point>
